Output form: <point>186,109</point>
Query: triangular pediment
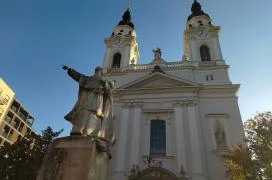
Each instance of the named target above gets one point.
<point>159,80</point>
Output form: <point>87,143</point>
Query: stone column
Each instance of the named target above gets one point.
<point>196,158</point>
<point>136,132</point>
<point>122,139</point>
<point>180,139</point>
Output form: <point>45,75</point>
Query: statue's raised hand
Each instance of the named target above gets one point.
<point>65,67</point>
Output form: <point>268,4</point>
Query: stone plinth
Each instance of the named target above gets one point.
<point>73,157</point>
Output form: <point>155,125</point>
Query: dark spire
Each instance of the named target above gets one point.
<point>126,19</point>
<point>196,10</point>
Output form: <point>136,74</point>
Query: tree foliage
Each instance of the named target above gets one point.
<point>22,159</point>
<point>253,162</point>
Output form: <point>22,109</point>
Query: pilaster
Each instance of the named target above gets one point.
<point>122,139</point>
<point>180,136</point>
<point>196,157</point>
<point>135,138</point>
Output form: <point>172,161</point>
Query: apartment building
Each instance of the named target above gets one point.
<point>15,120</point>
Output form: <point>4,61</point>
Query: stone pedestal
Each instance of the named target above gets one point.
<point>74,157</point>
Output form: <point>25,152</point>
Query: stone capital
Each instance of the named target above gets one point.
<point>178,104</point>
<point>125,105</point>
<point>136,104</point>
<point>192,103</point>
<point>189,102</point>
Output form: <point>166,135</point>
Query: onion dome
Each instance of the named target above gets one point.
<point>126,19</point>
<point>196,10</point>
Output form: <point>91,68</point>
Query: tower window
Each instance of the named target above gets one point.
<point>157,138</point>
<point>205,53</point>
<point>209,77</point>
<point>116,60</point>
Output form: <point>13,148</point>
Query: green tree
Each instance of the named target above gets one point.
<point>22,159</point>
<point>253,162</point>
<point>239,164</point>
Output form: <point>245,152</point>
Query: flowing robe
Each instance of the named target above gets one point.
<point>94,103</point>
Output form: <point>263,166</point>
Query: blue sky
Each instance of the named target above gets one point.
<point>37,37</point>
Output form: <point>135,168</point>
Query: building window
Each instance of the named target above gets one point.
<point>157,138</point>
<point>205,53</point>
<point>28,132</point>
<point>6,131</point>
<point>29,122</point>
<point>14,108</point>
<point>21,127</point>
<point>16,123</point>
<point>6,99</point>
<point>116,60</point>
<point>9,117</point>
<point>10,134</point>
<point>209,77</point>
<point>22,114</point>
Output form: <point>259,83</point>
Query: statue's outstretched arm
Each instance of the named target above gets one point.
<point>71,72</point>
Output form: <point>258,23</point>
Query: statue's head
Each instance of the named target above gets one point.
<point>98,70</point>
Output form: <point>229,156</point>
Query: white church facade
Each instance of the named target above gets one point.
<point>173,120</point>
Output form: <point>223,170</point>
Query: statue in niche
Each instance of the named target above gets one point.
<point>220,135</point>
<point>92,114</point>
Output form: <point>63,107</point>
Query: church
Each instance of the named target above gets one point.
<point>173,120</point>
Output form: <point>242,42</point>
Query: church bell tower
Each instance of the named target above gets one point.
<point>121,46</point>
<point>201,37</point>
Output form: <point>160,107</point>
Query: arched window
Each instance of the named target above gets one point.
<point>116,60</point>
<point>157,138</point>
<point>205,53</point>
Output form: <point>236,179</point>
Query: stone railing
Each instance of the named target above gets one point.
<point>167,65</point>
<point>211,63</point>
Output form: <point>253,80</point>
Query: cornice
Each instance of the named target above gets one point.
<point>219,89</point>
<point>165,90</point>
<point>128,39</point>
<point>124,26</point>
<point>211,28</point>
<point>217,116</point>
<point>199,91</point>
